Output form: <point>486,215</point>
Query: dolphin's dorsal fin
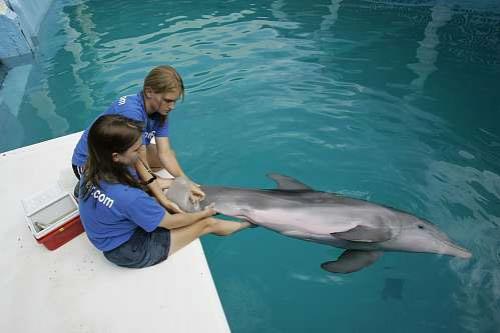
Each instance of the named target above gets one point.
<point>351,261</point>
<point>362,233</point>
<point>288,183</point>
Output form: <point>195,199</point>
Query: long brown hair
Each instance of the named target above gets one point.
<point>164,79</point>
<point>110,134</point>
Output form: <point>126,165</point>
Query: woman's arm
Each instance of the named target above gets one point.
<point>169,161</point>
<point>154,187</point>
<point>184,219</point>
<point>167,157</point>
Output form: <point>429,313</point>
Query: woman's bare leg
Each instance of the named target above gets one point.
<point>181,237</point>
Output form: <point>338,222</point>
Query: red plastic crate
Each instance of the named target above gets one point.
<point>63,234</point>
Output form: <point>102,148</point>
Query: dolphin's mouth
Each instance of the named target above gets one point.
<point>452,249</point>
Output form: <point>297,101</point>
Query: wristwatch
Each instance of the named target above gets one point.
<point>150,180</point>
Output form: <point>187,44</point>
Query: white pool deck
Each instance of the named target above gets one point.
<point>74,289</point>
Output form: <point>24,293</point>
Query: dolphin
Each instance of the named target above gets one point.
<point>364,229</point>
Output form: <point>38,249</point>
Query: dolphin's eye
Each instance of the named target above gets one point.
<point>420,226</point>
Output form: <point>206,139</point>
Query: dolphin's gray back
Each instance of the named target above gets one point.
<point>284,198</point>
<point>305,205</point>
<point>300,210</point>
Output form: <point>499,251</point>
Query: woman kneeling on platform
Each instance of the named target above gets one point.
<point>120,218</point>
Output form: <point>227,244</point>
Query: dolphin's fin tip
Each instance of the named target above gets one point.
<point>288,183</point>
<point>351,261</point>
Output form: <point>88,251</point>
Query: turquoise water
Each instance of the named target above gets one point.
<point>392,102</point>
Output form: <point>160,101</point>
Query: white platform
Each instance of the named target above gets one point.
<point>74,289</point>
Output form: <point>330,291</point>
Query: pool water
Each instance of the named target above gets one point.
<point>393,102</point>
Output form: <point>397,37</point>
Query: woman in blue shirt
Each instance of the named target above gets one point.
<point>131,228</point>
<point>162,88</point>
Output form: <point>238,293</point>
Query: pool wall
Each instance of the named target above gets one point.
<point>19,23</point>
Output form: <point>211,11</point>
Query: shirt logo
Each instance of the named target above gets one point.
<point>149,135</point>
<point>103,198</point>
<point>122,100</point>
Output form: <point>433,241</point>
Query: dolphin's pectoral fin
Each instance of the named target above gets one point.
<point>363,233</point>
<point>288,183</point>
<point>351,261</point>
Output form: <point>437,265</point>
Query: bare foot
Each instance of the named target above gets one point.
<point>224,228</point>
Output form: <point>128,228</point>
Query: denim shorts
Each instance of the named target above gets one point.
<point>143,249</point>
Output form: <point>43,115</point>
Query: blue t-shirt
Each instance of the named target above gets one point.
<point>131,106</point>
<point>111,214</point>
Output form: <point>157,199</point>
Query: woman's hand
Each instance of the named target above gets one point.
<point>196,194</point>
<point>209,210</point>
<point>164,183</point>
